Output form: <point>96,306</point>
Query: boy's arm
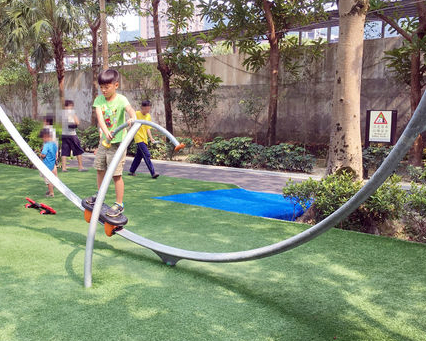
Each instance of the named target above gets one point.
<point>132,114</point>
<point>43,152</point>
<point>150,135</point>
<point>102,124</point>
<point>76,120</point>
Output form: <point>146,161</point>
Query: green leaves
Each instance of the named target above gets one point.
<point>194,94</point>
<point>14,73</point>
<point>242,152</point>
<point>10,153</point>
<point>329,194</point>
<point>244,23</point>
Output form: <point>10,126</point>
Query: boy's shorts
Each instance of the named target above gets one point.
<point>71,143</point>
<point>104,157</point>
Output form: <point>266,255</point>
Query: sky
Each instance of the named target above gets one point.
<point>131,22</point>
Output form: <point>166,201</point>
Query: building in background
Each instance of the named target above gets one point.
<point>129,35</point>
<point>146,24</point>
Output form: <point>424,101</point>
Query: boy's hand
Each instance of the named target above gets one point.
<point>130,121</point>
<point>108,135</point>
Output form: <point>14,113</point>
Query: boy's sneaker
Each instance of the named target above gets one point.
<point>91,200</point>
<point>155,176</point>
<point>131,174</point>
<point>115,210</point>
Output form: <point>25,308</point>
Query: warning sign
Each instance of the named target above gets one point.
<point>381,119</point>
<point>380,126</point>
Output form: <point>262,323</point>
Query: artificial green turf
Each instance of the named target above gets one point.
<point>340,286</point>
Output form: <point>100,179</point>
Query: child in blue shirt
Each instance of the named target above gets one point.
<point>48,155</point>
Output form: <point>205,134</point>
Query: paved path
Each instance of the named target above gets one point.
<point>255,180</point>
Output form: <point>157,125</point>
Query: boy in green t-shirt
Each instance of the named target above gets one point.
<point>111,109</point>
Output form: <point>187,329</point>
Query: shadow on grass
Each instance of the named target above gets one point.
<point>289,298</point>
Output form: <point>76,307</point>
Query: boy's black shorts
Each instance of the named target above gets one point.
<point>71,143</point>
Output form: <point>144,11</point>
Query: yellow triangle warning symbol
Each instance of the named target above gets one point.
<point>380,119</point>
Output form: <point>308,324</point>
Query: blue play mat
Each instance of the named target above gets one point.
<point>239,200</point>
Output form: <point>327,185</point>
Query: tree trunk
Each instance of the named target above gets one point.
<point>34,100</point>
<point>94,27</point>
<point>104,34</point>
<point>274,59</point>
<point>58,51</point>
<point>345,151</point>
<point>34,85</point>
<point>163,68</point>
<point>416,152</point>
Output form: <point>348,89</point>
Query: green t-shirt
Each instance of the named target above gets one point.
<point>114,113</point>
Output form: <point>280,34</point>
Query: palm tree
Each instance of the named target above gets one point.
<point>57,19</point>
<point>18,20</point>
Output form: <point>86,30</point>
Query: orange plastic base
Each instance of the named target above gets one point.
<point>109,229</point>
<point>179,147</point>
<point>87,215</point>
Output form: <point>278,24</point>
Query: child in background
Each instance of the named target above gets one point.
<point>48,155</point>
<point>48,124</point>
<point>141,139</point>
<point>70,141</point>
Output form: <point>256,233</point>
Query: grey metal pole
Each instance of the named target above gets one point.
<point>99,201</point>
<point>88,259</point>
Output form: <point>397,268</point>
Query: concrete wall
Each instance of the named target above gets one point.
<point>304,106</point>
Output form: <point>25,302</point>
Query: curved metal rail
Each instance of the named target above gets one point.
<point>171,255</point>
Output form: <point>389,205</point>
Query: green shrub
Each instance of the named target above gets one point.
<point>288,157</point>
<point>415,214</point>
<point>89,138</point>
<point>300,193</point>
<point>27,126</point>
<point>161,150</point>
<point>188,142</point>
<point>235,152</point>
<point>387,203</point>
<point>373,157</point>
<point>242,152</point>
<point>333,192</point>
<point>10,153</point>
<point>417,174</point>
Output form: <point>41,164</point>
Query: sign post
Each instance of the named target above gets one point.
<point>380,126</point>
